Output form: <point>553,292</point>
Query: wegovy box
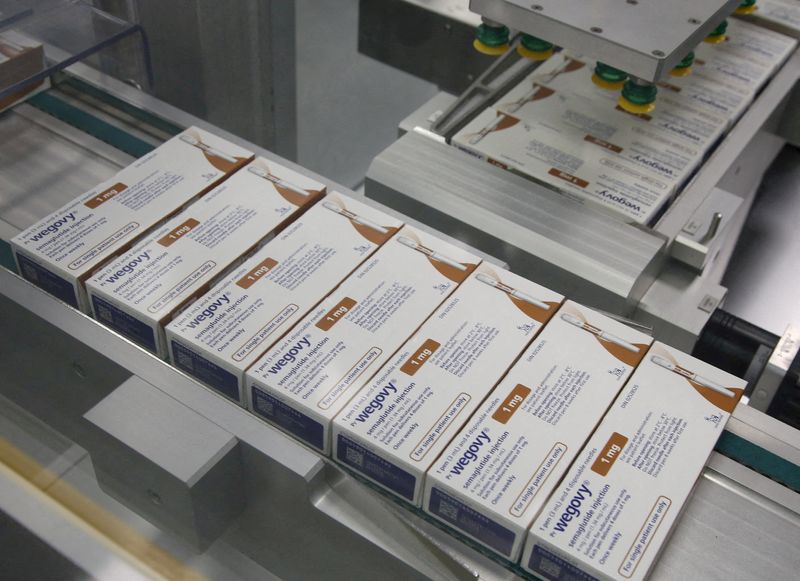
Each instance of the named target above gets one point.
<point>578,169</point>
<point>229,328</point>
<point>612,513</point>
<point>629,140</point>
<point>61,251</point>
<point>302,383</point>
<point>780,15</point>
<point>497,473</point>
<point>566,73</point>
<point>138,293</point>
<point>726,77</point>
<point>397,425</point>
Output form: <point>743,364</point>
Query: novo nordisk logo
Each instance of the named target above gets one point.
<point>290,356</point>
<point>209,311</point>
<point>128,268</point>
<point>471,454</point>
<point>573,509</point>
<point>620,200</point>
<point>681,131</point>
<point>377,402</point>
<point>54,227</point>
<point>655,164</point>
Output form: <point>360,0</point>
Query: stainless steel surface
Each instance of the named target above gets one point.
<point>739,161</point>
<point>305,517</point>
<point>706,230</point>
<point>737,525</point>
<point>166,462</point>
<point>766,432</point>
<point>585,255</point>
<point>162,429</point>
<point>763,276</point>
<point>645,38</point>
<point>424,38</point>
<point>80,545</point>
<point>779,362</point>
<point>44,160</point>
<point>680,300</point>
<point>679,303</point>
<point>506,71</point>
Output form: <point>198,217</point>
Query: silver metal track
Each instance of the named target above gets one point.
<point>305,517</point>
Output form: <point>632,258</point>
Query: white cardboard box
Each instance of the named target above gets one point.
<point>572,104</point>
<point>138,293</point>
<point>308,376</point>
<point>631,140</point>
<point>397,425</point>
<point>497,473</point>
<point>613,511</point>
<point>576,168</point>
<point>568,73</point>
<point>228,329</point>
<point>780,15</point>
<point>61,251</point>
<point>726,77</point>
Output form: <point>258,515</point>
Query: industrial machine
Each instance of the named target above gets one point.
<point>139,470</point>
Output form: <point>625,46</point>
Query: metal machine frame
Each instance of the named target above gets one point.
<point>301,514</point>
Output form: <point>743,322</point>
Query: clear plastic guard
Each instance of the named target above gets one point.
<point>68,30</point>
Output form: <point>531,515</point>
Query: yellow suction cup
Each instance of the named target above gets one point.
<point>534,55</point>
<point>491,39</point>
<point>535,49</point>
<point>490,50</point>
<point>747,7</point>
<point>717,35</point>
<point>608,77</point>
<point>602,83</point>
<point>683,68</point>
<point>635,108</point>
<point>638,97</point>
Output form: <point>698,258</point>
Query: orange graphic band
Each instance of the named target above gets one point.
<point>176,234</point>
<point>338,312</point>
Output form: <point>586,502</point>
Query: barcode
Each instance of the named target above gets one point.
<point>105,313</point>
<point>30,273</point>
<point>448,510</point>
<point>186,361</point>
<point>355,457</point>
<point>549,567</point>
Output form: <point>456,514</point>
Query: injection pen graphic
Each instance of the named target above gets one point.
<point>666,364</point>
<point>599,333</point>
<point>209,150</point>
<point>486,279</point>
<point>517,105</point>
<point>486,130</point>
<point>264,173</point>
<point>355,217</point>
<point>406,241</point>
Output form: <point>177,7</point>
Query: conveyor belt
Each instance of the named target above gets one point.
<point>738,524</point>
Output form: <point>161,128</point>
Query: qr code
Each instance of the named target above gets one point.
<point>104,313</point>
<point>185,361</point>
<point>355,457</point>
<point>30,273</point>
<point>448,510</point>
<point>549,567</point>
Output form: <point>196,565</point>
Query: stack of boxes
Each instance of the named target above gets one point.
<point>561,130</point>
<point>536,427</point>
